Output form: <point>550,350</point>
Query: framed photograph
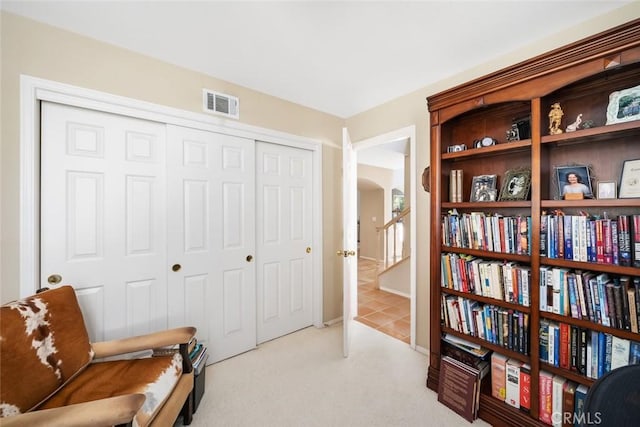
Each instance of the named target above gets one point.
<point>624,106</point>
<point>607,189</point>
<point>483,188</point>
<point>516,185</point>
<point>630,179</point>
<point>574,182</point>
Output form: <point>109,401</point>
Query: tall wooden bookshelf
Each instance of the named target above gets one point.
<point>580,76</point>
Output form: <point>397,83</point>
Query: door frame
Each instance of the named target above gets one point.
<point>408,132</point>
<point>33,90</point>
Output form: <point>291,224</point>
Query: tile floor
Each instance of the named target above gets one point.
<point>384,311</point>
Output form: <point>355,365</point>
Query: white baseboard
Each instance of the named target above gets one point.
<point>422,350</point>
<point>393,291</point>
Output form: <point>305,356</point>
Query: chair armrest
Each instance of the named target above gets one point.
<point>144,342</point>
<point>104,412</point>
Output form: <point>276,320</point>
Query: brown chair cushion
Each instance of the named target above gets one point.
<point>43,344</point>
<point>155,377</point>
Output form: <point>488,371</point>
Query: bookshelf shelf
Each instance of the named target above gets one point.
<point>590,203</point>
<point>488,206</point>
<point>587,324</point>
<point>580,77</point>
<point>486,344</point>
<point>511,147</point>
<point>573,376</point>
<point>577,265</point>
<point>487,300</point>
<point>488,254</point>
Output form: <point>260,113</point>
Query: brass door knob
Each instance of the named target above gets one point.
<point>176,267</point>
<point>249,258</point>
<point>54,279</point>
<point>308,249</point>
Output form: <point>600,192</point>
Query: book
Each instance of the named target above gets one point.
<point>635,239</point>
<point>579,399</point>
<point>624,241</point>
<point>568,403</point>
<point>512,391</point>
<point>525,387</point>
<point>558,383</point>
<point>458,387</point>
<point>498,376</point>
<point>545,387</point>
<point>620,348</point>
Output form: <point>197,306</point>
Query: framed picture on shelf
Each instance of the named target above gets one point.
<point>624,106</point>
<point>630,179</point>
<point>516,185</point>
<point>607,189</point>
<point>483,188</point>
<point>574,182</point>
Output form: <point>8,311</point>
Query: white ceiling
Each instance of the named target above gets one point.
<point>334,56</point>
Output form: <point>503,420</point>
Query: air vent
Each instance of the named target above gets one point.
<point>220,103</point>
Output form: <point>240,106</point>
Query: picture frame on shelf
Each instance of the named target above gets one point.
<point>607,190</point>
<point>483,188</point>
<point>624,106</point>
<point>515,185</point>
<point>630,180</point>
<point>574,182</point>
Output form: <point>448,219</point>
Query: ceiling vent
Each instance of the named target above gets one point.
<point>220,103</point>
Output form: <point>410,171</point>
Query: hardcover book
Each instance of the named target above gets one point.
<point>545,386</point>
<point>498,376</point>
<point>458,387</point>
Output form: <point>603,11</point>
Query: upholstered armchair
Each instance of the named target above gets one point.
<point>50,374</point>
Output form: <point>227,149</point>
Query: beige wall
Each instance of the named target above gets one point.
<point>42,51</point>
<point>374,203</point>
<point>411,109</point>
<point>371,206</point>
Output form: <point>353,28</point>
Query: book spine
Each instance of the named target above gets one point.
<point>525,388</point>
<point>624,241</point>
<point>545,397</point>
<point>635,240</point>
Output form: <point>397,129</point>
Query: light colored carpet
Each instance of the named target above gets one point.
<point>303,380</point>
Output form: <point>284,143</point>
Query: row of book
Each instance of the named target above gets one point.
<point>561,402</point>
<point>612,301</point>
<point>600,240</point>
<point>506,281</point>
<point>504,327</point>
<point>487,232</point>
<point>198,356</point>
<point>455,185</point>
<point>511,381</point>
<point>587,352</point>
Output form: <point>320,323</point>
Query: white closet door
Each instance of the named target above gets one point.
<point>103,217</point>
<point>212,238</point>
<point>284,227</point>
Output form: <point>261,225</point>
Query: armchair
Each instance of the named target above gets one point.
<point>50,373</point>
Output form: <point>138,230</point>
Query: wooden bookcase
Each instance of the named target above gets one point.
<point>580,77</point>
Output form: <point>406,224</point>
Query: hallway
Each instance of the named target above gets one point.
<point>386,312</point>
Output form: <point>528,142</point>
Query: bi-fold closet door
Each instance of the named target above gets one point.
<point>157,225</point>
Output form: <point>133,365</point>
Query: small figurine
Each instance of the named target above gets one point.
<point>555,116</point>
<point>574,126</point>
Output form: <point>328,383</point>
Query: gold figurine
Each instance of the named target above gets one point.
<point>555,117</point>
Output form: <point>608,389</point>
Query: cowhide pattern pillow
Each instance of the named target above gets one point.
<point>43,344</point>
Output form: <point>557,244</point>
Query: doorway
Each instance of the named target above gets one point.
<point>381,179</point>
